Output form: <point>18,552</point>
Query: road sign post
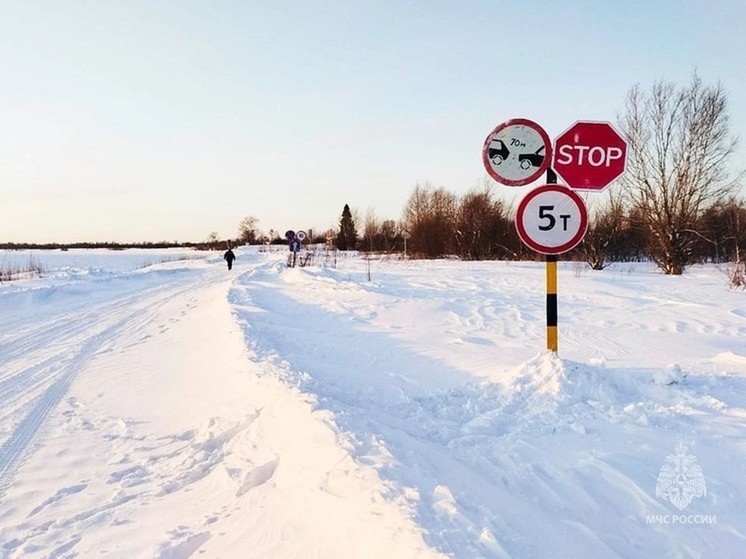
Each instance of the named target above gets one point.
<point>551,220</point>
<point>551,277</point>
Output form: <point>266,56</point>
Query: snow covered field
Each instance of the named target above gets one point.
<point>181,410</point>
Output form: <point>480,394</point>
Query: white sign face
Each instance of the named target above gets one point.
<point>551,219</point>
<point>301,236</point>
<point>517,152</point>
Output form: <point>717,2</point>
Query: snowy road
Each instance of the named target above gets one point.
<point>137,426</point>
<point>181,410</point>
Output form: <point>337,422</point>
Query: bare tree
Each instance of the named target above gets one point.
<point>389,234</point>
<point>247,231</point>
<point>725,224</point>
<point>370,230</point>
<point>736,222</point>
<point>480,225</point>
<point>415,216</point>
<point>430,219</point>
<point>441,237</point>
<point>679,146</point>
<point>607,222</point>
<point>213,240</point>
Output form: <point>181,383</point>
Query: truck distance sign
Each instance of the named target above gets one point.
<point>517,152</point>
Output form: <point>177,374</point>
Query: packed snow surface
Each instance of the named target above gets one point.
<point>161,407</point>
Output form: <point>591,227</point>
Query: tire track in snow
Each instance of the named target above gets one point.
<point>22,379</point>
<point>16,448</point>
<point>61,332</point>
<point>60,329</point>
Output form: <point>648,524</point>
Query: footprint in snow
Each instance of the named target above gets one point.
<point>258,476</point>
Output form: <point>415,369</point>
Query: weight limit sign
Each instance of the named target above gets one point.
<point>551,219</point>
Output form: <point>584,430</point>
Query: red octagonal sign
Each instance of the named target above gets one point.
<point>590,155</point>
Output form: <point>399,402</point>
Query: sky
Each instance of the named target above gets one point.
<point>168,120</point>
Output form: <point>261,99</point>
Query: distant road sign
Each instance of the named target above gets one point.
<point>590,155</point>
<point>289,235</point>
<point>551,219</point>
<point>301,236</point>
<point>517,152</point>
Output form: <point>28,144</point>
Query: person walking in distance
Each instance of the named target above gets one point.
<point>229,257</point>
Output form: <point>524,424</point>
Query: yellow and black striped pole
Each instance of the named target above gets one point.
<point>551,262</point>
<point>552,302</point>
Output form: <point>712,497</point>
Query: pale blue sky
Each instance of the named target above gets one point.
<point>149,120</point>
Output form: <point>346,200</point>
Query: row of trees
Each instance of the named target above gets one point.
<point>675,205</point>
<point>478,226</point>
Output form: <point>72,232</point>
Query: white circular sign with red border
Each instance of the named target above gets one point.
<point>551,219</point>
<point>517,152</point>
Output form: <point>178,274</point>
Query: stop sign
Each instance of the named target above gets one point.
<point>590,155</point>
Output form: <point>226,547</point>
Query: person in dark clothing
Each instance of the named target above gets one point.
<point>229,257</point>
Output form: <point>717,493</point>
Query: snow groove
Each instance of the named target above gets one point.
<point>15,448</point>
<point>61,330</point>
<point>40,386</point>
